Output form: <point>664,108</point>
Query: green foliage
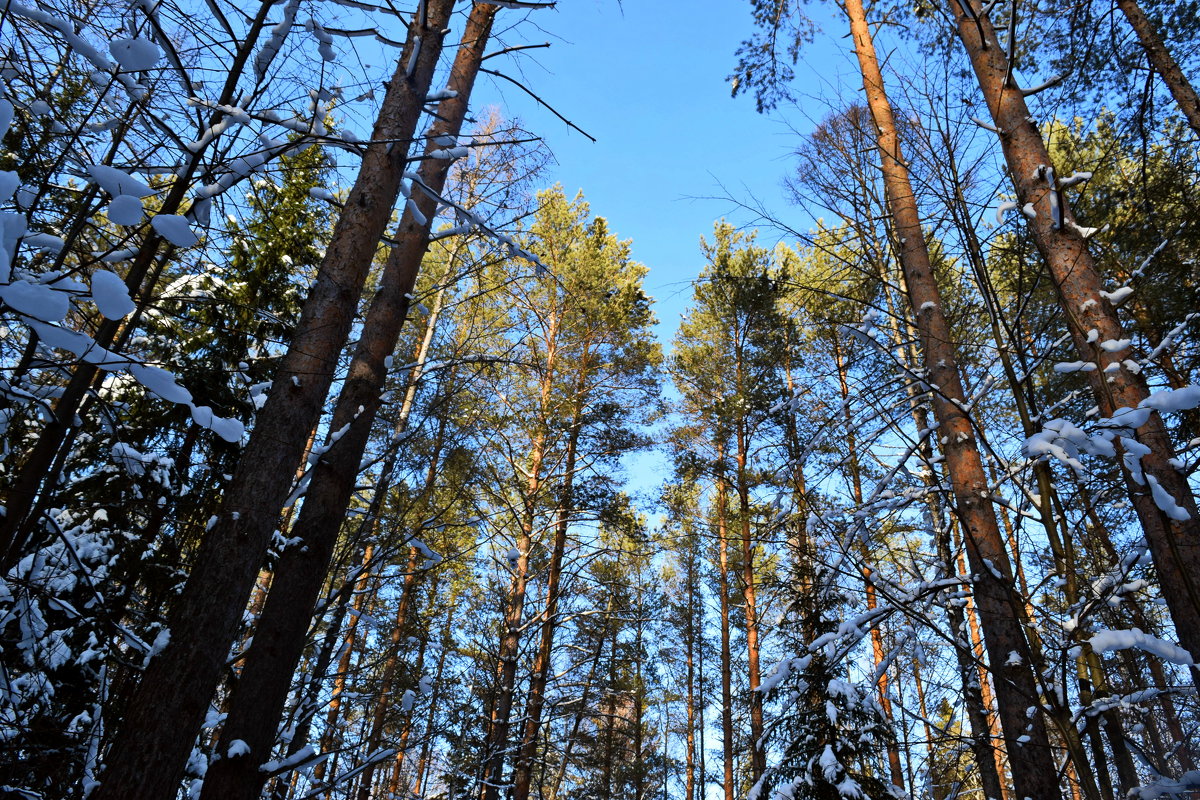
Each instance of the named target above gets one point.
<point>832,733</point>
<point>765,60</point>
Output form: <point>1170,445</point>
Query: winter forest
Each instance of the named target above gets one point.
<point>346,452</point>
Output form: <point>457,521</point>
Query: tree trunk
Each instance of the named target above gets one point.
<point>989,758</point>
<point>151,748</point>
<point>758,752</point>
<point>262,690</point>
<point>895,768</point>
<point>690,647</point>
<point>389,673</point>
<point>581,713</point>
<point>331,736</point>
<point>1034,774</point>
<point>1093,322</point>
<point>510,637</point>
<point>447,643</point>
<point>523,771</point>
<point>1163,62</point>
<point>723,588</point>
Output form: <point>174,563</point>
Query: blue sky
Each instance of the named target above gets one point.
<point>647,78</point>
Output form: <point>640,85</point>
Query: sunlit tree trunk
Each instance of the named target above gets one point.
<point>427,746</point>
<point>331,735</point>
<point>758,753</point>
<point>895,767</point>
<point>523,772</point>
<point>510,636</point>
<point>984,741</point>
<point>389,672</point>
<point>1034,775</point>
<point>1093,323</point>
<point>1163,62</point>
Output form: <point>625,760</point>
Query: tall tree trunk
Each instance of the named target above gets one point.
<point>639,707</point>
<point>151,748</point>
<point>331,735</point>
<point>262,689</point>
<point>758,752</point>
<point>1093,324</point>
<point>308,704</point>
<point>389,673</point>
<point>447,643</point>
<point>989,758</point>
<point>1054,524</point>
<point>723,588</point>
<point>510,637</point>
<point>690,646</point>
<point>895,767</point>
<point>406,728</point>
<point>523,770</point>
<point>1163,62</point>
<point>588,685</point>
<point>1034,774</point>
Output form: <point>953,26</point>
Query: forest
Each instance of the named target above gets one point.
<point>344,453</point>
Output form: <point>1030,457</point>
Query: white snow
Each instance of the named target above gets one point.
<point>1105,640</point>
<point>9,181</point>
<point>109,294</point>
<point>160,383</point>
<point>1074,366</point>
<point>228,428</point>
<point>117,182</point>
<point>45,241</point>
<point>1117,296</point>
<point>125,209</point>
<point>830,767</point>
<point>1165,502</point>
<point>1166,400</point>
<point>174,229</point>
<point>6,115</point>
<point>291,762</point>
<point>36,300</point>
<point>135,55</point>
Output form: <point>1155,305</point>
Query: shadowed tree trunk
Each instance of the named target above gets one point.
<point>262,689</point>
<point>167,709</point>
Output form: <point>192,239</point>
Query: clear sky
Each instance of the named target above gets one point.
<point>647,78</point>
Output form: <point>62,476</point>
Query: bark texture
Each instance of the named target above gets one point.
<point>166,711</point>
<point>1092,321</point>
<point>1163,62</point>
<point>1034,773</point>
<point>260,693</point>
